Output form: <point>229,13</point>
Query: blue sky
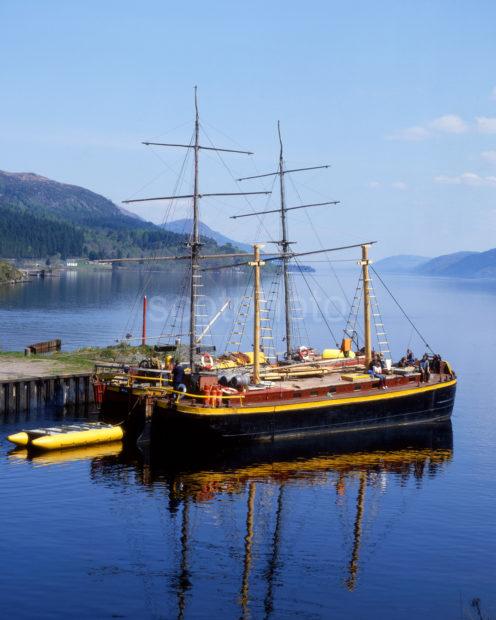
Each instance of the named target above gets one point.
<point>399,97</point>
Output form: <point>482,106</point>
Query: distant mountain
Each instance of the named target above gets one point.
<point>185,225</point>
<point>456,265</point>
<point>462,265</point>
<point>41,217</point>
<point>402,263</point>
<point>69,203</point>
<point>440,264</point>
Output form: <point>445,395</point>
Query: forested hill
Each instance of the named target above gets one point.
<point>186,224</point>
<point>40,217</point>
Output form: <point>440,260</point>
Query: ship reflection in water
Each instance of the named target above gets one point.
<point>357,470</point>
<point>246,513</point>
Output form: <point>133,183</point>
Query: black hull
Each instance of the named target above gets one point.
<point>424,407</point>
<point>124,407</point>
<point>168,465</point>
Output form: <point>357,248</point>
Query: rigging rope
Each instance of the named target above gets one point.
<point>402,310</point>
<point>316,302</point>
<point>221,159</point>
<point>133,313</point>
<point>317,236</point>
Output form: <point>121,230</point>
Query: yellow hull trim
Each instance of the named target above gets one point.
<point>199,410</point>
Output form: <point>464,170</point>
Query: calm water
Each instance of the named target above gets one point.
<point>386,527</point>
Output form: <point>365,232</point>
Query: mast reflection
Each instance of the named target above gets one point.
<point>194,480</point>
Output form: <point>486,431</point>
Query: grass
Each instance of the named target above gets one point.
<point>83,360</point>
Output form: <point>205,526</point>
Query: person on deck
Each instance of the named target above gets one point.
<point>178,377</point>
<point>436,363</point>
<point>410,357</point>
<point>424,368</point>
<point>375,371</point>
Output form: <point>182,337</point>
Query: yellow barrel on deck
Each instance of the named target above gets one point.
<point>336,354</point>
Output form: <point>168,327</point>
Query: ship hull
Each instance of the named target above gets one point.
<point>416,406</point>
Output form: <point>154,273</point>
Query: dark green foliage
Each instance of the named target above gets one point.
<point>40,217</point>
<point>8,273</point>
<point>23,235</point>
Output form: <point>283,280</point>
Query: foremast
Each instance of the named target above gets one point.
<point>195,241</point>
<point>285,245</point>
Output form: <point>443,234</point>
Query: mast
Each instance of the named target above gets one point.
<point>184,582</point>
<point>195,244</point>
<point>248,548</point>
<point>284,243</point>
<point>365,262</point>
<point>357,534</point>
<point>256,264</point>
<point>274,559</point>
<point>285,248</point>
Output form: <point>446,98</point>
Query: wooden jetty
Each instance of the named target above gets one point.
<point>32,394</point>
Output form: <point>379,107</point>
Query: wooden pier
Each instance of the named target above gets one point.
<point>35,394</point>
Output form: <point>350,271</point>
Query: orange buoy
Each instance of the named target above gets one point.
<point>207,391</point>
<point>213,396</point>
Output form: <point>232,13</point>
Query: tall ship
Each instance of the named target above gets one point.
<point>261,394</point>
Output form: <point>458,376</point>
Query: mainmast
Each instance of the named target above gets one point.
<point>284,243</point>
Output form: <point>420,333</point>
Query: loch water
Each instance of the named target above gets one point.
<point>387,525</point>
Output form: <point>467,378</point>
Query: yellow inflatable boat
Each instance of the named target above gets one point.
<point>60,437</point>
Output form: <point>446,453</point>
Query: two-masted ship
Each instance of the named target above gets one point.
<point>247,395</point>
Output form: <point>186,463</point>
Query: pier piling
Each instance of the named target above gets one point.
<point>33,394</point>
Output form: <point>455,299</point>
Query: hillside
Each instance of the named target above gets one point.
<point>183,226</point>
<point>69,203</point>
<point>463,265</point>
<point>456,265</point>
<point>402,263</point>
<point>441,264</point>
<point>41,217</point>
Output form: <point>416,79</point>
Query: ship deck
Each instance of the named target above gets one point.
<point>314,389</point>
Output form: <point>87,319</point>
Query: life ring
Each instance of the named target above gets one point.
<point>304,353</point>
<point>207,361</point>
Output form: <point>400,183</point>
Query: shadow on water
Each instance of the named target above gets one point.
<point>350,464</point>
<point>197,479</point>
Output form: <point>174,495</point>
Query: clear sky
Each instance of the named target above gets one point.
<point>398,96</point>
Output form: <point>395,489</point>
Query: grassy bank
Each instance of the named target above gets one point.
<point>14,364</point>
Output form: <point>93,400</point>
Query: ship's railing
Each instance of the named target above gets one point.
<point>158,380</point>
<point>204,396</point>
